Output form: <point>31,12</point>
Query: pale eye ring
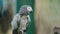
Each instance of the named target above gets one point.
<point>29,8</point>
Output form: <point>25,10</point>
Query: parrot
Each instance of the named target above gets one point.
<point>21,20</point>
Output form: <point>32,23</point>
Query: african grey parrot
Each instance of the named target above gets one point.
<point>22,19</point>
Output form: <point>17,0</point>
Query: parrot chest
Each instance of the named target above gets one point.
<point>23,22</point>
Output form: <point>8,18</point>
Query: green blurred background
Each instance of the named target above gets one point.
<point>31,29</point>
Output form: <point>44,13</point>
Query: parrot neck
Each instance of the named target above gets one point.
<point>23,15</point>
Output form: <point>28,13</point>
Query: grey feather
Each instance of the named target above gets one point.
<point>23,9</point>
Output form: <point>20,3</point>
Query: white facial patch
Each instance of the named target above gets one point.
<point>29,8</point>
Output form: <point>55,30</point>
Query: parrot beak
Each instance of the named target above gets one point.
<point>31,11</point>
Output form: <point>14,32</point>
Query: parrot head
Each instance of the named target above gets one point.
<point>25,9</point>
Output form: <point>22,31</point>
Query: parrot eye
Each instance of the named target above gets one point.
<point>29,8</point>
